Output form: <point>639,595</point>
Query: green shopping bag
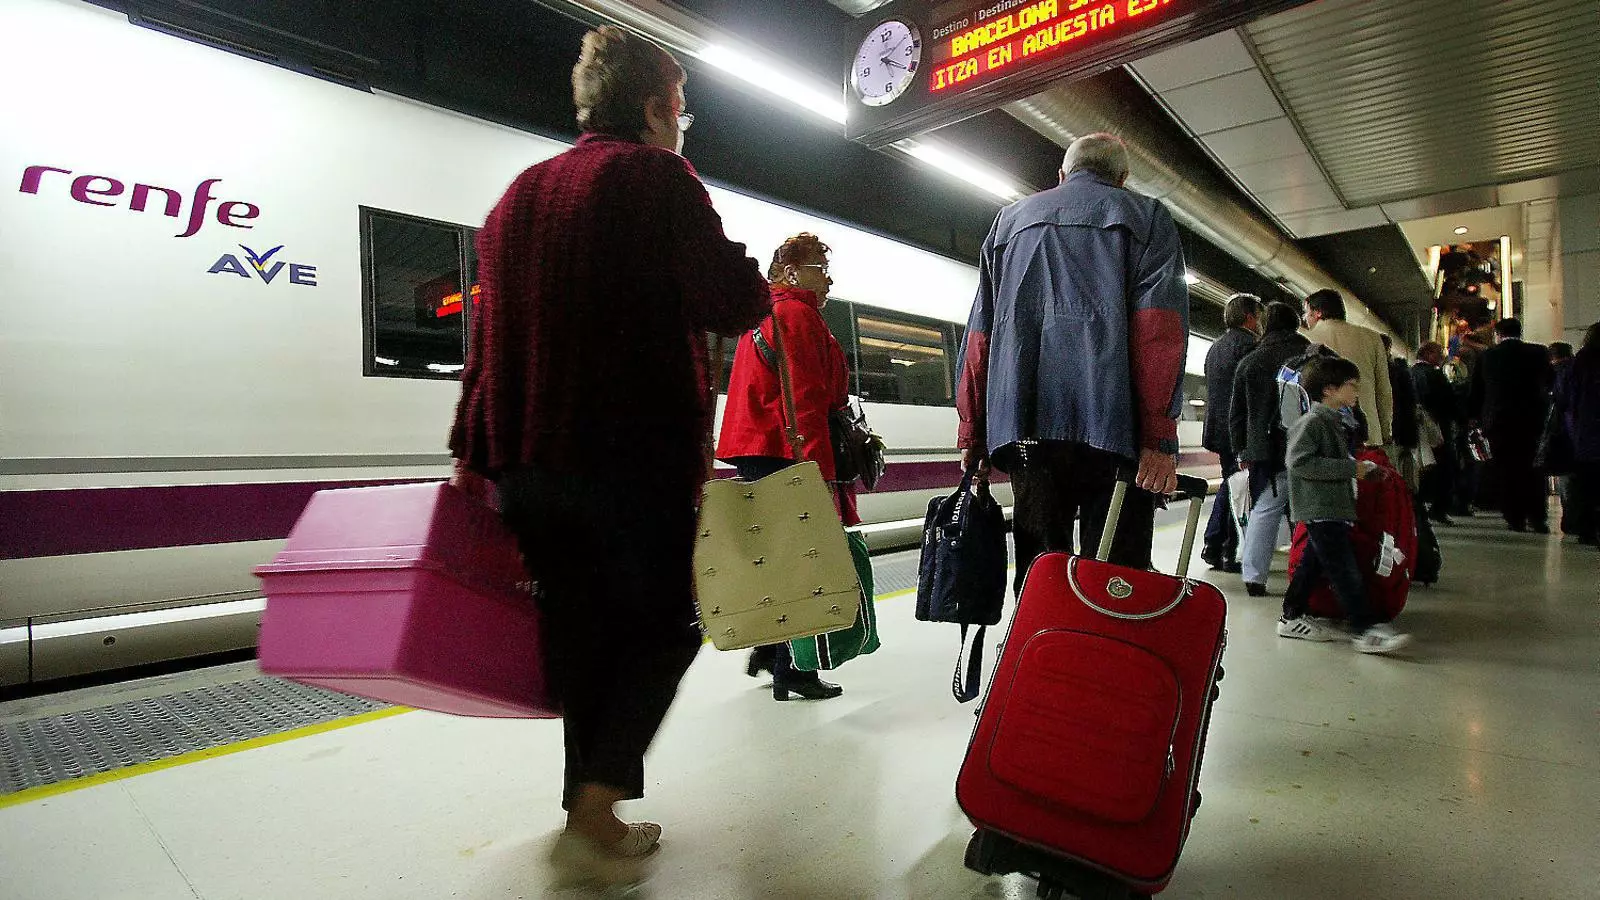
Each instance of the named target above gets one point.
<point>834,649</point>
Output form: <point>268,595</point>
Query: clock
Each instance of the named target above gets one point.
<point>886,62</point>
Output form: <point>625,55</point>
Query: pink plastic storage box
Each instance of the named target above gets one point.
<point>413,594</point>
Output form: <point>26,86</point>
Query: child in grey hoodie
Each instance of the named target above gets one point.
<point>1322,476</point>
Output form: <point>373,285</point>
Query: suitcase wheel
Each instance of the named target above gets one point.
<point>1105,890</point>
<point>1215,693</point>
<point>1221,672</point>
<point>982,853</point>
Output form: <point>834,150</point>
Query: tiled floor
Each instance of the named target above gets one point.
<point>1469,767</point>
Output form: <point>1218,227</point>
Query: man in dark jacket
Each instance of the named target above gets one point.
<point>1074,352</point>
<point>1256,434</point>
<point>1510,398</point>
<point>1561,361</point>
<point>1403,422</point>
<point>1578,402</point>
<point>1437,397</point>
<point>1242,316</point>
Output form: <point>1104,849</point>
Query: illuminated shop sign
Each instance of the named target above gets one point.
<point>920,65</point>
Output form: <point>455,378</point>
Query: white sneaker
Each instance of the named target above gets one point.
<point>1380,639</point>
<point>1308,628</point>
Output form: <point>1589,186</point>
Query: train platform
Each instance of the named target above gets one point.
<point>1468,766</point>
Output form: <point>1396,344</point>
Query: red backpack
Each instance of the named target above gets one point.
<point>1384,539</point>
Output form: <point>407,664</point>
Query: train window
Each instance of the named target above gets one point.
<point>899,360</point>
<point>1196,396</point>
<point>840,317</point>
<point>412,289</point>
<point>730,346</point>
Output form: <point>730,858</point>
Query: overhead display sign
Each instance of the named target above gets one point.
<point>917,65</point>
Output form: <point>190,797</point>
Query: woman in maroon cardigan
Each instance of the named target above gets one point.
<point>585,397</point>
<point>753,437</point>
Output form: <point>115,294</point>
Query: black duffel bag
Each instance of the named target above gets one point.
<point>962,576</point>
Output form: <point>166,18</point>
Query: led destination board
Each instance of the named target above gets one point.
<point>1033,32</point>
<point>919,65</point>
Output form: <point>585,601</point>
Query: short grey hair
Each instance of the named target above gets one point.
<point>1239,310</point>
<point>1101,153</point>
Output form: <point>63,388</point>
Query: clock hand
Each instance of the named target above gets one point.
<point>887,61</point>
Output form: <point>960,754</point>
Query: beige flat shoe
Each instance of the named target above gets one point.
<point>643,839</point>
<point>581,862</point>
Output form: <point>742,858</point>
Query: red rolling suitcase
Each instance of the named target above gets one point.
<point>1083,765</point>
<point>1386,541</point>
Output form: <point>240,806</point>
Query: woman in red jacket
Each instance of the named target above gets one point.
<point>753,437</point>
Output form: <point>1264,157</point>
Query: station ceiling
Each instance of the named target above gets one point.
<point>1363,126</point>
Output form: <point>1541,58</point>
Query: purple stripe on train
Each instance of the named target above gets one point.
<point>103,520</point>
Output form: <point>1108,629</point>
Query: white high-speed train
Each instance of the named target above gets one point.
<point>231,285</point>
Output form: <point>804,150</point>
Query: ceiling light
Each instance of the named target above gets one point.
<point>444,368</point>
<point>1190,278</point>
<point>955,164</point>
<point>1197,403</point>
<point>795,90</point>
<point>385,361</point>
<point>1461,229</point>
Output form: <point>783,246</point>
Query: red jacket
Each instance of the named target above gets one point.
<point>602,270</point>
<point>752,422</point>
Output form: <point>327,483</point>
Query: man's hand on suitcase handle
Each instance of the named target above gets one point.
<point>1158,472</point>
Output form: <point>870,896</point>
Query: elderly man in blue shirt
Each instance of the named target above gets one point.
<point>1074,353</point>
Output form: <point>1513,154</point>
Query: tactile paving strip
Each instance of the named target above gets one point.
<point>893,572</point>
<point>57,748</point>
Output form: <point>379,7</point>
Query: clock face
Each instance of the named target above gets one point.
<point>886,63</point>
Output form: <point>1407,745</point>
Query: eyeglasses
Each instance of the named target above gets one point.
<point>685,120</point>
<point>822,266</point>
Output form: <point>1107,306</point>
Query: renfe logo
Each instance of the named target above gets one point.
<point>91,188</point>
<point>299,273</point>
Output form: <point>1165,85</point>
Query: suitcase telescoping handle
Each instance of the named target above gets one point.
<point>1190,487</point>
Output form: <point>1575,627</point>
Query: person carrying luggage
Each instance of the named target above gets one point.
<point>1436,395</point>
<point>1510,400</point>
<point>584,395</point>
<point>1322,474</point>
<point>1073,356</point>
<point>752,437</point>
<point>1254,422</point>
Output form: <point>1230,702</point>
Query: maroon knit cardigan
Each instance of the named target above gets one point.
<point>602,269</point>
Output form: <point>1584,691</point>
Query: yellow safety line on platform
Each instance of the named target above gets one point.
<point>62,787</point>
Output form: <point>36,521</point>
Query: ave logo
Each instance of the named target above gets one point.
<point>264,267</point>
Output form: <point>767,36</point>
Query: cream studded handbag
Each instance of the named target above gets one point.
<point>771,562</point>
